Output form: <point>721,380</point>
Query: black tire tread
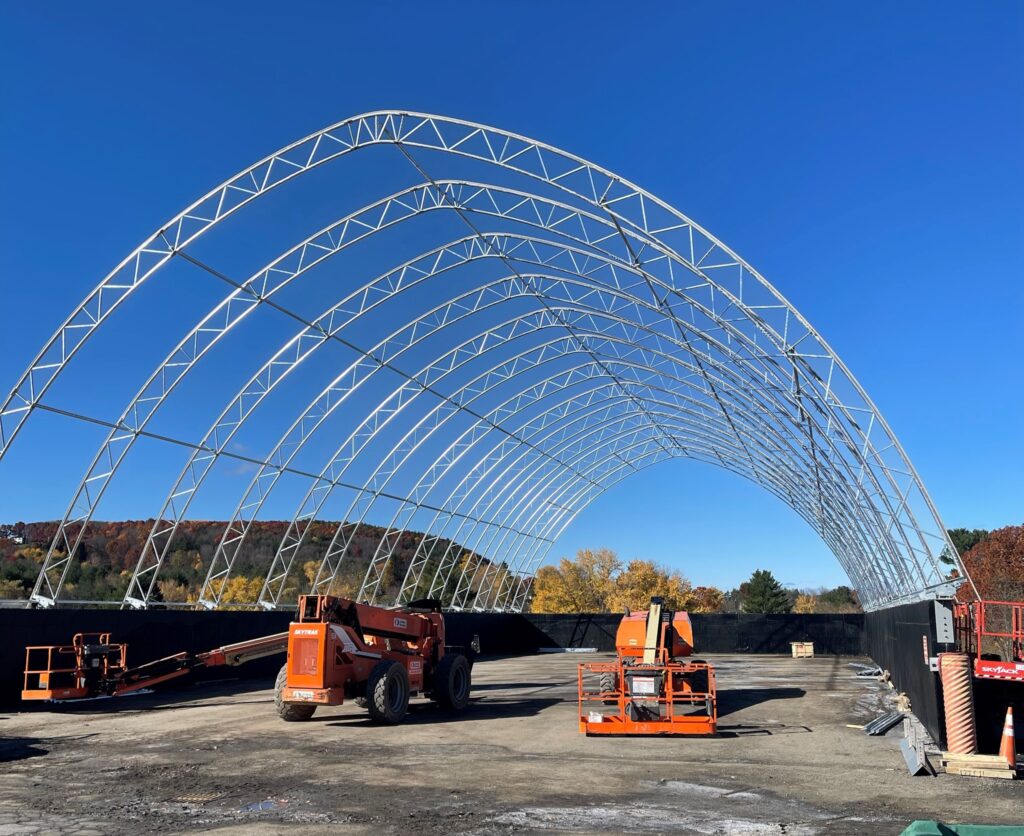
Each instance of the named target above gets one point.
<point>445,676</point>
<point>377,692</point>
<point>290,712</point>
<point>609,682</point>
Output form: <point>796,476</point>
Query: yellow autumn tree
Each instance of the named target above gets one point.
<point>342,587</point>
<point>497,576</point>
<point>596,581</point>
<point>576,586</point>
<point>468,580</point>
<point>644,579</point>
<point>242,590</point>
<point>172,591</point>
<point>805,603</point>
<point>10,589</point>
<point>33,553</point>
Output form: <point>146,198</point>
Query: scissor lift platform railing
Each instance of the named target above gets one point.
<point>992,634</point>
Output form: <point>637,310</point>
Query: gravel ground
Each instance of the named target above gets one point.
<point>216,758</point>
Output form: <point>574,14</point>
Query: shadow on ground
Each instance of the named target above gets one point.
<point>765,730</point>
<point>181,694</point>
<point>516,686</point>
<point>731,700</point>
<point>478,709</point>
<point>20,748</point>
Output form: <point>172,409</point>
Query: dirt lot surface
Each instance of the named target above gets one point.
<point>216,757</point>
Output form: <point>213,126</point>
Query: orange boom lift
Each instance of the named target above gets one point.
<point>652,687</point>
<point>92,666</point>
<point>337,650</point>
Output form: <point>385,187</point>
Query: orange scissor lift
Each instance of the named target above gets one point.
<point>652,687</point>
<point>991,633</point>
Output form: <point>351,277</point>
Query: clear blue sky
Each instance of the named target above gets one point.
<point>866,158</point>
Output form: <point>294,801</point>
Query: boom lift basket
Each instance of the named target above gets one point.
<point>666,698</point>
<point>73,671</point>
<point>652,687</point>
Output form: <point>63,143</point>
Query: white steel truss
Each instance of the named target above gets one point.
<point>621,334</point>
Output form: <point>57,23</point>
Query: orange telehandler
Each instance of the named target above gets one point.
<point>337,650</point>
<point>652,687</point>
<point>340,650</point>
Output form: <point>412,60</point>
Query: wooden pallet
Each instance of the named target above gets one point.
<point>974,772</point>
<point>977,766</point>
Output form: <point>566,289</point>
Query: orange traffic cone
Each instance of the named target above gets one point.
<point>1007,747</point>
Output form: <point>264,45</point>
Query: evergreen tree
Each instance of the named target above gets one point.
<point>762,593</point>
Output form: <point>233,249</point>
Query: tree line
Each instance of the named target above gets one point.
<point>104,562</point>
<point>994,560</point>
<point>596,581</point>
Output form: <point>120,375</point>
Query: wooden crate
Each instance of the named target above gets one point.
<point>802,650</point>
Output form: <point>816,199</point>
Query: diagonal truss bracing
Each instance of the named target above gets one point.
<point>616,334</point>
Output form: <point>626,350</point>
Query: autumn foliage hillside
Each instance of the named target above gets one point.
<point>109,551</point>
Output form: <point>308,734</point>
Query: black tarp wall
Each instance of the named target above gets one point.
<point>155,633</point>
<point>895,641</point>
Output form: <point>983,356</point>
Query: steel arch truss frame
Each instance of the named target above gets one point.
<point>305,427</point>
<point>697,354</point>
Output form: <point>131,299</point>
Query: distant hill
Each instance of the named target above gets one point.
<point>109,552</point>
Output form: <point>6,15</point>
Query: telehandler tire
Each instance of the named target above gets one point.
<point>387,692</point>
<point>291,712</point>
<point>452,682</point>
<point>700,681</point>
<point>610,682</point>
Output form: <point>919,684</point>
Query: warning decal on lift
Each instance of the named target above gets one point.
<point>642,685</point>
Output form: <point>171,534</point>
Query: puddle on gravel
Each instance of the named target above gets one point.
<point>258,806</point>
<point>680,807</point>
<point>642,818</point>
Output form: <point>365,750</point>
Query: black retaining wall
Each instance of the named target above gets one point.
<point>156,633</point>
<point>833,635</point>
<point>836,635</point>
<point>894,640</point>
<point>150,635</point>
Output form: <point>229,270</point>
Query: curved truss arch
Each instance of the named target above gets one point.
<point>517,502</point>
<point>257,290</point>
<point>588,446</point>
<point>464,353</point>
<point>334,550</point>
<point>557,486</point>
<point>794,419</point>
<point>236,536</point>
<point>261,286</point>
<point>453,506</point>
<point>516,591</point>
